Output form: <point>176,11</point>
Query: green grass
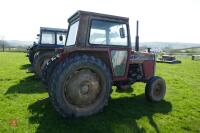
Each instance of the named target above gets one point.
<point>25,106</point>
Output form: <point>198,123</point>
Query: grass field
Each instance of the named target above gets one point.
<point>25,107</point>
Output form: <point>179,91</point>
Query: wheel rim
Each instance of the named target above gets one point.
<point>158,90</point>
<point>82,88</point>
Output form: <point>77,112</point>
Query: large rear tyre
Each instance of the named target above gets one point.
<point>49,68</point>
<point>40,60</point>
<point>155,89</point>
<point>80,86</point>
<point>31,57</point>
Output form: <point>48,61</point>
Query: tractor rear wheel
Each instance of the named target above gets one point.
<point>40,60</point>
<point>155,89</point>
<point>80,86</point>
<point>49,68</point>
<point>31,57</point>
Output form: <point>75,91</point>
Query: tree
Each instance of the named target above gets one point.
<point>2,42</point>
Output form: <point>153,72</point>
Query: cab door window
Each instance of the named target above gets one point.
<point>119,61</point>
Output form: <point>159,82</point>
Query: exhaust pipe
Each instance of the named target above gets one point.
<point>137,37</point>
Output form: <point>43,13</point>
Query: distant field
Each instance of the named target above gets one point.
<point>13,49</point>
<point>25,106</point>
<point>194,50</point>
<point>186,51</point>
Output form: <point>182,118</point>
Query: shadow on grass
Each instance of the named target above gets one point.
<point>120,116</point>
<point>27,67</point>
<point>28,85</point>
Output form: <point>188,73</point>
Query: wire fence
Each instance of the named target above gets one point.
<point>13,50</point>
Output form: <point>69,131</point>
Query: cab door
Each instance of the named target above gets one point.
<point>118,41</point>
<point>119,61</point>
<point>112,35</point>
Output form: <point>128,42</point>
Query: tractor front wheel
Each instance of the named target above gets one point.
<point>155,89</point>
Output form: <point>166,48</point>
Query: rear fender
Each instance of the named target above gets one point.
<point>103,54</point>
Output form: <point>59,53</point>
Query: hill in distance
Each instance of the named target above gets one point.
<point>18,43</point>
<point>153,45</point>
<point>168,45</point>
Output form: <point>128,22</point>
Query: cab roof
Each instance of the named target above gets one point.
<point>52,29</point>
<point>81,13</point>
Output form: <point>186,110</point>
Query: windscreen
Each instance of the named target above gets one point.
<point>107,33</point>
<point>48,38</point>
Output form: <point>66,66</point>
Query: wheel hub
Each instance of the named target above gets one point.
<point>83,88</point>
<point>157,90</point>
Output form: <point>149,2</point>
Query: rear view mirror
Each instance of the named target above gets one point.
<point>122,32</point>
<point>61,38</point>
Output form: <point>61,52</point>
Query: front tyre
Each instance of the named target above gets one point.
<point>80,86</point>
<point>155,89</point>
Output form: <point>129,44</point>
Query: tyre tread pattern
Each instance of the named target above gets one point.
<point>59,70</point>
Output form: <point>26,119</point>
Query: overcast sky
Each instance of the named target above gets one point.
<point>160,20</point>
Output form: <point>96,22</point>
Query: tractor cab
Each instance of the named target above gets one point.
<point>49,37</point>
<point>88,29</point>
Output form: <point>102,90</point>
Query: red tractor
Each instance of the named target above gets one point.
<point>96,56</point>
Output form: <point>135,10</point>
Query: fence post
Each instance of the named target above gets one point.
<point>3,46</point>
